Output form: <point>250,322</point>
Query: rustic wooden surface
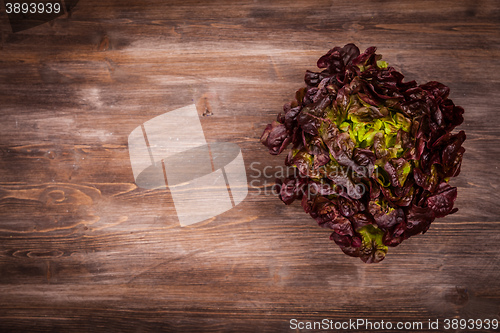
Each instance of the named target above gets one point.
<point>83,249</point>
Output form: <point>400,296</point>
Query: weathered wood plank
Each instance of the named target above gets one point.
<point>82,248</point>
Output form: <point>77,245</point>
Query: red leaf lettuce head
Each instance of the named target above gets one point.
<point>374,154</point>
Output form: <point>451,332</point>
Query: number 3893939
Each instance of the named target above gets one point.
<point>32,8</point>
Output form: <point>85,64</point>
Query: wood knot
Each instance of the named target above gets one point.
<point>205,104</point>
<point>104,44</point>
<point>51,154</point>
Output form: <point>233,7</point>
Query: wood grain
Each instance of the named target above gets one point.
<point>83,249</point>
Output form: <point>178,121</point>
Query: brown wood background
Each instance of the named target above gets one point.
<point>83,249</point>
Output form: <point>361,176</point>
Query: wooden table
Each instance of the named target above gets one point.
<point>82,248</point>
